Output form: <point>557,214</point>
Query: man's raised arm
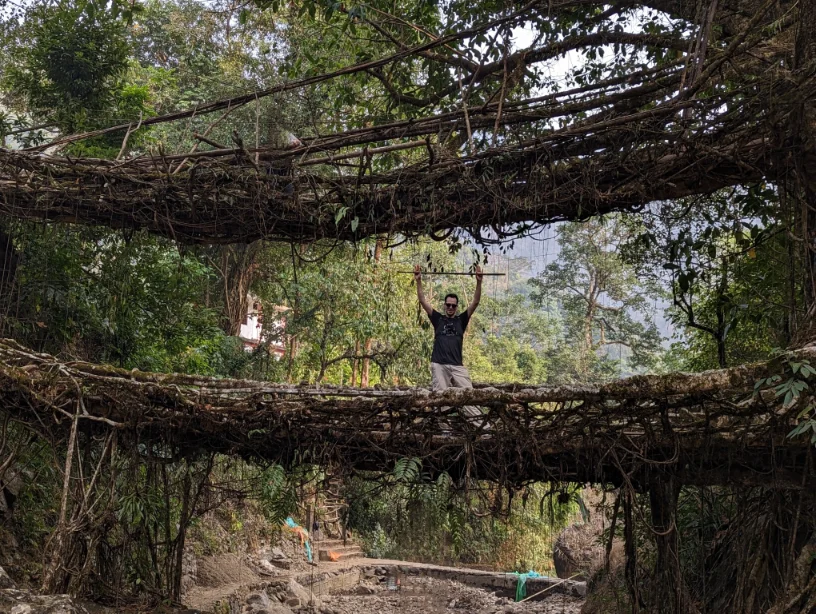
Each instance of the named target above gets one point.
<point>421,295</point>
<point>477,296</point>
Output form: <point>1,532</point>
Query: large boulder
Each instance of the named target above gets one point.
<point>279,559</point>
<point>257,603</point>
<point>579,551</point>
<point>298,596</point>
<point>189,570</point>
<point>5,581</point>
<point>11,482</point>
<point>14,601</point>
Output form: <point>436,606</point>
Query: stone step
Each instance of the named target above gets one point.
<point>333,543</point>
<point>340,548</point>
<point>325,557</point>
<point>348,552</point>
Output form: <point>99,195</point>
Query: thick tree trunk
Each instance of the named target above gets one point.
<point>366,364</point>
<point>722,325</point>
<point>378,247</point>
<point>801,163</point>
<point>668,594</point>
<point>8,271</point>
<point>354,364</point>
<point>238,271</point>
<point>53,577</point>
<point>630,547</point>
<point>181,538</point>
<point>8,262</point>
<point>800,596</point>
<point>290,367</point>
<point>731,15</point>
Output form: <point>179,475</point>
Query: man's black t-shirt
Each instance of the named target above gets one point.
<point>448,335</point>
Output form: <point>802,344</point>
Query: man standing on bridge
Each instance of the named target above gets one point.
<point>447,370</point>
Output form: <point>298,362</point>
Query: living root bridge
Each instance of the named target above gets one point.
<point>625,142</point>
<point>706,428</point>
<point>221,200</point>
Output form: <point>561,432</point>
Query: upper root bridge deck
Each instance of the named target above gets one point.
<point>706,428</point>
<point>614,144</point>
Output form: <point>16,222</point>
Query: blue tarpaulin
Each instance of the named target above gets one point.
<point>306,542</point>
<point>521,585</point>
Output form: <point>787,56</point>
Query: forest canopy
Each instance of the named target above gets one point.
<point>499,115</point>
<point>353,121</point>
<point>172,171</point>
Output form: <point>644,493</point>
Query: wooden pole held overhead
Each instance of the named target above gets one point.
<point>453,273</point>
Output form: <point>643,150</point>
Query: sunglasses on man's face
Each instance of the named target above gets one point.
<point>451,305</point>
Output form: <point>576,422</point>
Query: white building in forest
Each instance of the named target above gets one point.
<point>253,332</point>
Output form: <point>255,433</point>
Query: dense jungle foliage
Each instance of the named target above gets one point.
<point>724,271</point>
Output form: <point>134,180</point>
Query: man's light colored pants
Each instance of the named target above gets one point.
<point>449,376</point>
<point>453,376</point>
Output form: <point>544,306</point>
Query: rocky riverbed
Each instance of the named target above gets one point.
<point>430,596</point>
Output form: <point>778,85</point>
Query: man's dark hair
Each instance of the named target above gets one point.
<point>447,296</point>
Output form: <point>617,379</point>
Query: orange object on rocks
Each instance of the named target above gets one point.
<point>300,532</point>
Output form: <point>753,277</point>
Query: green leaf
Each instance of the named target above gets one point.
<point>341,212</point>
<point>798,430</point>
<point>582,507</point>
<point>805,411</point>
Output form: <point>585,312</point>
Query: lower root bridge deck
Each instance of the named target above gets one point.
<point>705,428</point>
